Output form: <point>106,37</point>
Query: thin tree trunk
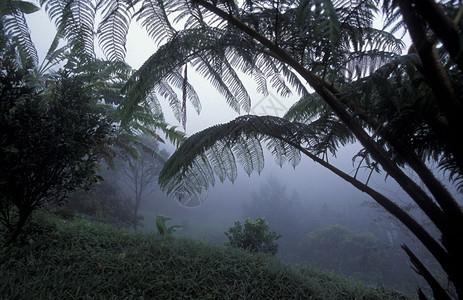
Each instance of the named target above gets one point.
<point>437,290</point>
<point>18,228</point>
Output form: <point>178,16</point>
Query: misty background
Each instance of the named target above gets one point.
<point>323,220</point>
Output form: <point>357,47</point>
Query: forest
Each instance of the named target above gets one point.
<point>285,149</point>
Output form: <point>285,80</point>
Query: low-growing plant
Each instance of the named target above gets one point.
<point>255,236</point>
<point>162,228</point>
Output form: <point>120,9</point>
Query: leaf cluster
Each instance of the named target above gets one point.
<point>219,149</point>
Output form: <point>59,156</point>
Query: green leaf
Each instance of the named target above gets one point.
<point>27,7</point>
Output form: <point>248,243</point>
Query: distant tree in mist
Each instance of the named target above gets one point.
<point>273,201</point>
<point>140,175</point>
<point>131,181</point>
<point>284,212</point>
<point>103,202</point>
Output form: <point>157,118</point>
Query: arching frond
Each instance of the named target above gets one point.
<point>153,17</point>
<point>306,109</point>
<point>204,49</point>
<point>12,17</point>
<point>75,21</point>
<point>218,149</point>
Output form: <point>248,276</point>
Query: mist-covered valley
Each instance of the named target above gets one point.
<point>323,221</point>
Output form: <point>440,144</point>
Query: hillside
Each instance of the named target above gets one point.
<point>75,259</point>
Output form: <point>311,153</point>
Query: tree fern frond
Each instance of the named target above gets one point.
<point>306,109</point>
<point>393,18</point>
<point>223,161</point>
<point>322,13</point>
<point>236,86</point>
<point>260,80</point>
<point>240,140</point>
<point>75,21</point>
<point>278,150</point>
<point>153,16</point>
<point>54,55</point>
<point>294,81</point>
<point>181,49</point>
<point>249,153</point>
<point>15,25</point>
<point>177,80</point>
<point>206,69</point>
<point>113,30</point>
<point>362,63</point>
<point>164,89</point>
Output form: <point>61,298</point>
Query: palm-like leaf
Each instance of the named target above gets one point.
<point>12,17</point>
<point>114,28</point>
<point>329,37</point>
<point>75,21</point>
<point>154,18</point>
<point>219,149</point>
<point>163,67</point>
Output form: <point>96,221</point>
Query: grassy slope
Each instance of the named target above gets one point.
<point>64,259</point>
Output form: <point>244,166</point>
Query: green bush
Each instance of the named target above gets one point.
<point>50,144</point>
<point>255,236</point>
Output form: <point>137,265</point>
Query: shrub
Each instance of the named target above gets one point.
<point>255,236</point>
<point>50,144</point>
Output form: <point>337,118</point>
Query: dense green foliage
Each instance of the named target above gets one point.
<point>64,259</point>
<point>50,143</point>
<point>254,236</point>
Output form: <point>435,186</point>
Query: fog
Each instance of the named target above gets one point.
<point>313,198</point>
<point>298,202</point>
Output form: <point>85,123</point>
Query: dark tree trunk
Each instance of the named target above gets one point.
<point>19,226</point>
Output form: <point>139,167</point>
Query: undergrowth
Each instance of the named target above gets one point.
<point>81,259</point>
